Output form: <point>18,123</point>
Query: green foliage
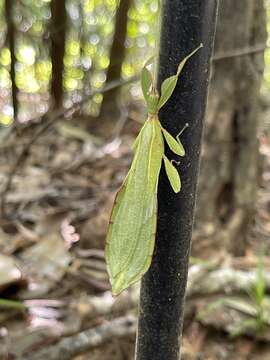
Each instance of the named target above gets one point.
<point>253,310</point>
<point>258,295</point>
<point>88,38</point>
<point>12,304</point>
<point>259,306</point>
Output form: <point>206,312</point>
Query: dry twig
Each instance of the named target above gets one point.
<point>44,126</point>
<point>86,340</point>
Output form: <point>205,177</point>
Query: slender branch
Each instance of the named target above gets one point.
<point>58,21</point>
<point>69,347</point>
<point>11,42</point>
<point>12,304</point>
<point>240,52</point>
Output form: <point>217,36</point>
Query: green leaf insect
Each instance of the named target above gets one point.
<point>132,228</point>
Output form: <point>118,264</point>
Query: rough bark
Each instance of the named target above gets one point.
<point>117,54</point>
<point>163,287</point>
<point>11,44</point>
<point>229,171</point>
<point>58,32</point>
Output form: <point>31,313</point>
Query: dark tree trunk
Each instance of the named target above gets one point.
<point>11,43</point>
<point>229,171</point>
<point>163,287</point>
<point>58,32</point>
<point>117,55</point>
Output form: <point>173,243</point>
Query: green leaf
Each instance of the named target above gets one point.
<point>175,145</point>
<point>173,175</point>
<point>260,286</point>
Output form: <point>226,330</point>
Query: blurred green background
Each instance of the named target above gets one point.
<point>89,33</point>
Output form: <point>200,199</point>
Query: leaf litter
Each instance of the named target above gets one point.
<point>51,252</point>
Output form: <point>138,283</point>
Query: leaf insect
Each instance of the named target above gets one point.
<point>132,228</point>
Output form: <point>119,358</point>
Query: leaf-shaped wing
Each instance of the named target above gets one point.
<point>141,257</point>
<point>137,140</point>
<point>174,145</point>
<point>172,174</point>
<point>131,233</point>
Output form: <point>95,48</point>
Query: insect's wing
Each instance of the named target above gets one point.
<point>135,144</point>
<point>137,140</point>
<point>131,234</point>
<point>175,146</point>
<point>111,258</point>
<point>155,154</point>
<point>141,256</point>
<point>172,174</point>
<point>125,219</point>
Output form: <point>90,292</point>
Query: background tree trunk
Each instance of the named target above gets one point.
<point>117,55</point>
<point>58,32</point>
<point>11,43</point>
<point>229,170</point>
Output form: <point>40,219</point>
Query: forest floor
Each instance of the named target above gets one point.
<point>53,280</point>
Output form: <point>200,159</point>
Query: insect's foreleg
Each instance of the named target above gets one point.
<point>180,133</point>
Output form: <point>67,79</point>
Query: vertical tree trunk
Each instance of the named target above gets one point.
<point>58,32</point>
<point>84,38</point>
<point>117,55</point>
<point>163,286</point>
<point>228,182</point>
<point>11,43</point>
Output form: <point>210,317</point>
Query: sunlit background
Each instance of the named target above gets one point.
<point>89,32</point>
